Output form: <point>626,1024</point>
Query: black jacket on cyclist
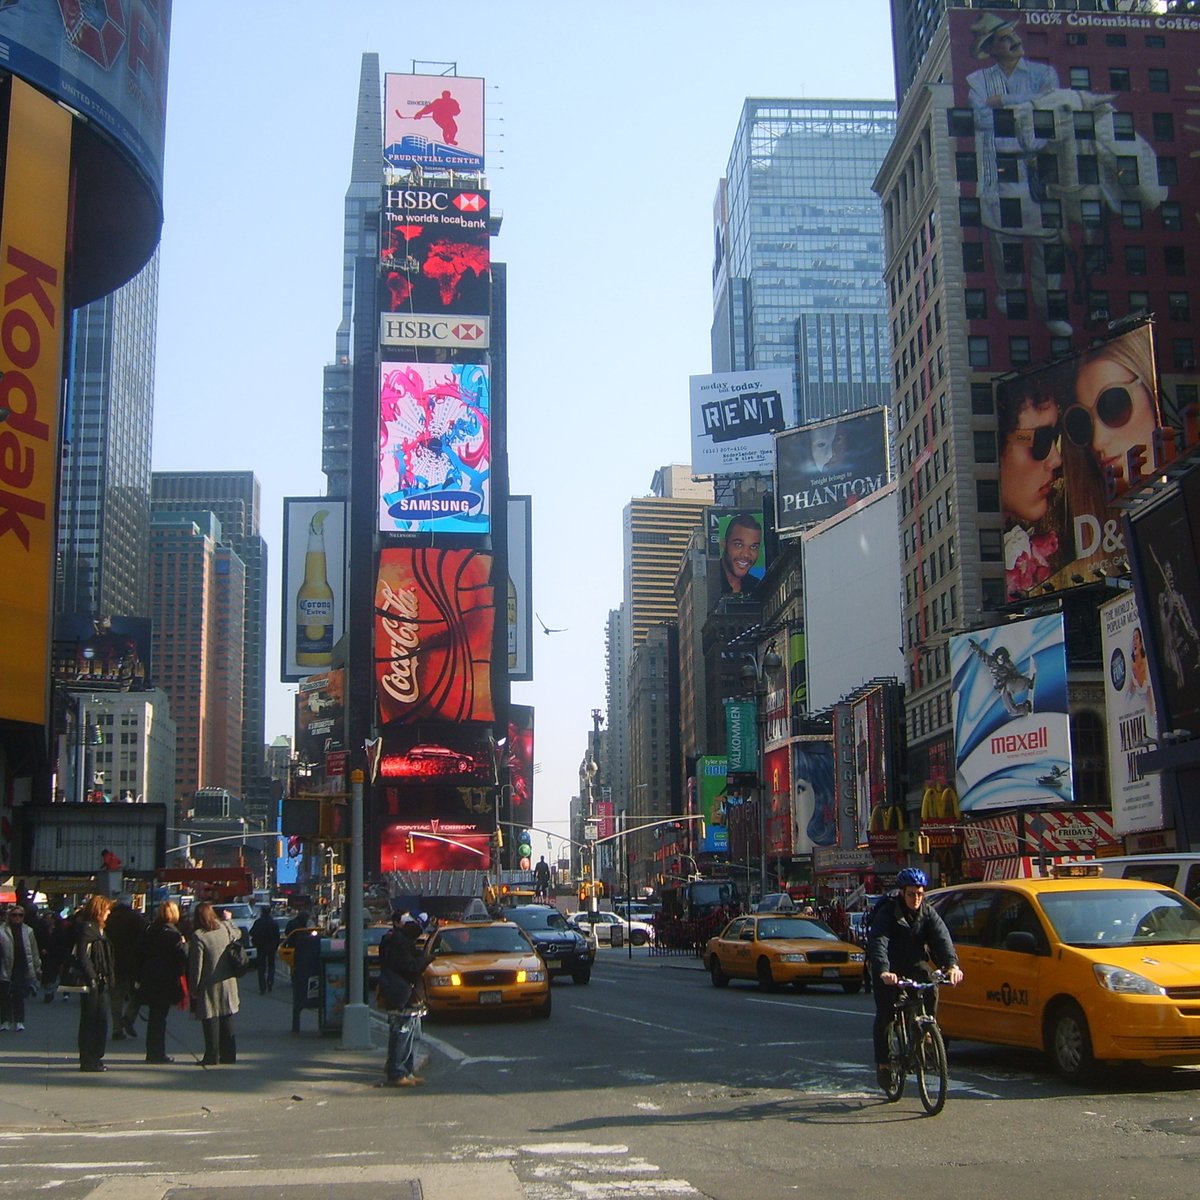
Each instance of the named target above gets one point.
<point>902,940</point>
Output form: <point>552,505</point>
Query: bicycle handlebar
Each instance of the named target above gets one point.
<point>916,985</point>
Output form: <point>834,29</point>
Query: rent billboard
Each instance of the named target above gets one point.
<point>434,619</point>
<point>1012,741</point>
<point>825,468</point>
<point>1129,705</point>
<point>433,123</point>
<point>735,417</point>
<point>435,260</point>
<point>314,584</point>
<point>1065,433</point>
<point>435,453</point>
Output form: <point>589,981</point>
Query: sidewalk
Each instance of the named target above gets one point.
<point>43,1086</point>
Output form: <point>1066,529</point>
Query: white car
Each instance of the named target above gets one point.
<point>601,925</point>
<point>243,916</point>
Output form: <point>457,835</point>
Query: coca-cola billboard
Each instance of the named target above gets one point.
<point>434,620</point>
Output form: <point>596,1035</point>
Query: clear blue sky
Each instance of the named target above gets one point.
<point>608,128</point>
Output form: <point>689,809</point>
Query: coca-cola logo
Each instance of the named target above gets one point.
<point>400,680</point>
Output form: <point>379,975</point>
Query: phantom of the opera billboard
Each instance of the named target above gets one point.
<point>1137,802</point>
<point>1012,744</point>
<point>1062,431</point>
<point>735,417</point>
<point>433,123</point>
<point>434,620</point>
<point>314,584</point>
<point>435,453</point>
<point>1076,168</point>
<point>435,260</point>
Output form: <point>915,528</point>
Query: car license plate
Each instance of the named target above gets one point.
<point>831,972</point>
<point>489,997</point>
<point>552,964</point>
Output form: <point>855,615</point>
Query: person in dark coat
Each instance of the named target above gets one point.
<point>95,956</point>
<point>401,966</point>
<point>125,929</point>
<point>213,984</point>
<point>162,977</point>
<point>905,933</point>
<point>264,937</point>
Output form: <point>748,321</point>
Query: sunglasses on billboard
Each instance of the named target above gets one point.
<point>1041,440</point>
<point>1114,407</point>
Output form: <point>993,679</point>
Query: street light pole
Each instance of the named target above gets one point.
<point>755,671</point>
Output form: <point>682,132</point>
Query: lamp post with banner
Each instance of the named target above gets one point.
<point>757,668</point>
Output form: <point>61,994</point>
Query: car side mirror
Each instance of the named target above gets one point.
<point>1020,941</point>
<point>747,935</point>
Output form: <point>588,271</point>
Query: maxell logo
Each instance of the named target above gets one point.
<point>742,415</point>
<point>1018,743</point>
<point>469,202</point>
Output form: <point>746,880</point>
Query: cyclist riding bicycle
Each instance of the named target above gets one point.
<point>541,879</point>
<point>905,932</point>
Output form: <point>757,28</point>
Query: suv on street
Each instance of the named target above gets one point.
<point>564,950</point>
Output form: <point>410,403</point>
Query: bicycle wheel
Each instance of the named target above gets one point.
<point>896,1053</point>
<point>930,1060</point>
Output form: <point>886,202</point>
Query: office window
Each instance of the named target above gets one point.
<point>1123,130</point>
<point>1139,302</point>
<point>1097,307</point>
<point>1168,170</point>
<point>1008,168</point>
<point>1060,346</point>
<point>1174,260</point>
<point>1095,260</point>
<point>1131,214</point>
<point>1171,214</point>
<point>1127,170</point>
<point>1164,127</point>
<point>981,399</point>
<point>1135,260</point>
<point>1052,217</point>
<point>966,169</point>
<point>1043,123</point>
<point>1010,212</point>
<point>991,592</point>
<point>960,122</point>
<point>987,495</point>
<point>1004,122</point>
<point>1016,304</point>
<point>1118,79</point>
<point>1090,213</point>
<point>1056,258</point>
<point>979,351</point>
<point>1084,124</point>
<point>1114,39</point>
<point>975,304</point>
<point>1087,166</point>
<point>1013,257</point>
<point>1179,307</point>
<point>1047,168</point>
<point>972,257</point>
<point>1160,79</point>
<point>1020,353</point>
<point>1081,77</point>
<point>985,445</point>
<point>1056,305</point>
<point>969,211</point>
<point>1155,41</point>
<point>1184,351</point>
<point>991,548</point>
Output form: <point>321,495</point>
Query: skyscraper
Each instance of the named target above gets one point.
<point>798,251</point>
<point>233,496</point>
<point>104,495</point>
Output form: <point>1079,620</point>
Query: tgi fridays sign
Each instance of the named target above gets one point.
<point>1053,832</point>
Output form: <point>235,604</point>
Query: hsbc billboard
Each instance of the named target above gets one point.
<point>435,268</point>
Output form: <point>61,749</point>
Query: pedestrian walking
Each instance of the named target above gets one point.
<point>162,977</point>
<point>401,966</point>
<point>264,937</point>
<point>94,956</point>
<point>60,946</point>
<point>20,965</point>
<point>125,929</point>
<point>212,981</point>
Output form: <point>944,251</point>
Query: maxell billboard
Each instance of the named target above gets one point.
<point>1129,705</point>
<point>435,260</point>
<point>735,417</point>
<point>435,450</point>
<point>1012,743</point>
<point>823,469</point>
<point>433,123</point>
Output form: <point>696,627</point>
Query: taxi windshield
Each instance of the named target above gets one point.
<point>488,939</point>
<point>1133,917</point>
<point>794,927</point>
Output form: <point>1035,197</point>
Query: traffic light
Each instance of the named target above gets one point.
<point>498,838</point>
<point>525,850</point>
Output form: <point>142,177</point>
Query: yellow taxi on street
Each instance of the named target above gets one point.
<point>1089,970</point>
<point>481,964</point>
<point>779,948</point>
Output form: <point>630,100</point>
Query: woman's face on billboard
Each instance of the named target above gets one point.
<point>1113,412</point>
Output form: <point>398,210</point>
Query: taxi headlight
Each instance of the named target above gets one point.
<point>793,958</point>
<point>536,976</point>
<point>858,958</point>
<point>444,980</point>
<point>1118,979</point>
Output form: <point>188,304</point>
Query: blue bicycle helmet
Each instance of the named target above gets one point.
<point>912,877</point>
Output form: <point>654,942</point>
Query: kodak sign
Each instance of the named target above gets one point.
<point>33,232</point>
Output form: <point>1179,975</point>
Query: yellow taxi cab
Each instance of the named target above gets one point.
<point>481,964</point>
<point>1087,969</point>
<point>778,948</point>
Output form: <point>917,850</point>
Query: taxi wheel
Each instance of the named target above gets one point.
<point>766,980</point>
<point>1070,1043</point>
<point>718,977</point>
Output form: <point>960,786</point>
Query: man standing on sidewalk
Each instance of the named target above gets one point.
<point>126,930</point>
<point>401,965</point>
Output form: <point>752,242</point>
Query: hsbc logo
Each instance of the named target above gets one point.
<point>469,202</point>
<point>396,329</point>
<point>407,198</point>
<point>468,333</point>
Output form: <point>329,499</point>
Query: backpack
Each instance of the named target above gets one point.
<point>879,905</point>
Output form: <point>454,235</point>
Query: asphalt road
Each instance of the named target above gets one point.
<point>648,1082</point>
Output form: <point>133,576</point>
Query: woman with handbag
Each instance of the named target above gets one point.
<point>20,966</point>
<point>212,979</point>
<point>162,978</point>
<point>95,966</point>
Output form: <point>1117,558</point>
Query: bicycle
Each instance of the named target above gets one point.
<point>916,1045</point>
